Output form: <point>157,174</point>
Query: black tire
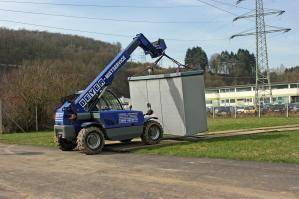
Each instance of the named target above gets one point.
<point>90,140</point>
<point>127,141</point>
<point>66,145</point>
<point>152,132</point>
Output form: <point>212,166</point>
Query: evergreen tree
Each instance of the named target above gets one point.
<point>196,57</point>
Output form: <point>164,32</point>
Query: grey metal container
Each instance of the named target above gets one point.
<point>178,100</point>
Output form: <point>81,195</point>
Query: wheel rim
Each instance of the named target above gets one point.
<point>93,140</point>
<point>154,132</point>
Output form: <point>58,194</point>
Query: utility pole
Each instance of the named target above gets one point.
<point>1,124</point>
<point>36,119</point>
<point>262,72</point>
<point>263,83</point>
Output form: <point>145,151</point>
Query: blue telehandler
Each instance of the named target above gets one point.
<point>94,115</point>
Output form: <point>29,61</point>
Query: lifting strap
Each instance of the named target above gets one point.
<point>179,65</point>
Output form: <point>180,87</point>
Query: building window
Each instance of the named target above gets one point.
<point>208,101</point>
<point>212,91</point>
<point>294,99</point>
<point>294,85</point>
<point>243,89</point>
<point>232,100</point>
<point>227,90</point>
<point>282,86</point>
<point>267,100</point>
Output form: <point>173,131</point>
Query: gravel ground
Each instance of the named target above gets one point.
<point>33,172</point>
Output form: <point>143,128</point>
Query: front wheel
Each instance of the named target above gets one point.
<point>90,140</point>
<point>152,132</point>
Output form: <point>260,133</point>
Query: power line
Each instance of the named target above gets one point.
<point>101,19</point>
<point>61,28</point>
<point>201,40</point>
<point>221,9</point>
<point>248,15</point>
<point>141,21</point>
<point>102,33</point>
<point>230,4</point>
<point>271,11</point>
<point>284,30</point>
<point>218,8</point>
<point>275,35</point>
<point>236,5</point>
<point>97,5</point>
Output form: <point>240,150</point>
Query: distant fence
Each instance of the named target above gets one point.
<point>278,110</point>
<point>11,123</point>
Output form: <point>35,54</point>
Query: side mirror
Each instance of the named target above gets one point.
<point>149,111</point>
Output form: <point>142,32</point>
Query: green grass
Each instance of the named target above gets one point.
<point>222,124</point>
<point>272,147</point>
<point>44,139</point>
<point>276,147</point>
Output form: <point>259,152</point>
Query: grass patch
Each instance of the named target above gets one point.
<point>222,124</point>
<point>275,147</point>
<point>271,147</point>
<point>44,139</point>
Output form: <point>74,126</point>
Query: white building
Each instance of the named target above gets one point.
<point>243,95</point>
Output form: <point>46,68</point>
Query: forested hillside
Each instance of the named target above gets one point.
<point>17,46</point>
<point>38,68</point>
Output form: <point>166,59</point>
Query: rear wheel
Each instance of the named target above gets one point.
<point>90,140</point>
<point>152,132</point>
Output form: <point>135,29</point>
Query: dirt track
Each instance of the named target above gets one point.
<point>169,140</point>
<point>31,172</point>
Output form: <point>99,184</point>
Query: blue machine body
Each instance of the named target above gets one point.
<point>67,126</point>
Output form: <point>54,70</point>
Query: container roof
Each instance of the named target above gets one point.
<point>169,75</point>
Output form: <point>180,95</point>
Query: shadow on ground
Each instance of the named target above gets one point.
<point>27,153</point>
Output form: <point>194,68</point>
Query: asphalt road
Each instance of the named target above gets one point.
<point>32,172</point>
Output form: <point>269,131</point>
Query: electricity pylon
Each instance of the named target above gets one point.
<point>263,83</point>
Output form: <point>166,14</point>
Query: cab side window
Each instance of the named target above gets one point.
<point>107,102</point>
<point>102,105</point>
<point>112,101</point>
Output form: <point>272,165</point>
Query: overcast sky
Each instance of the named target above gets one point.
<point>202,25</point>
